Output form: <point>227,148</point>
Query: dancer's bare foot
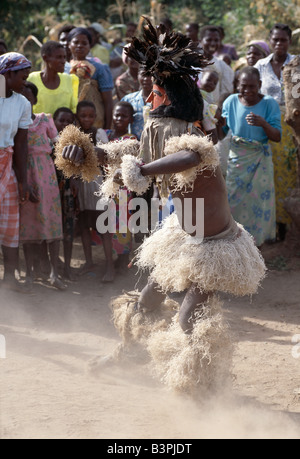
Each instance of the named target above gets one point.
<point>109,275</point>
<point>150,298</point>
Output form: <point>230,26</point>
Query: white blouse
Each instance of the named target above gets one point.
<point>271,84</point>
<point>15,113</point>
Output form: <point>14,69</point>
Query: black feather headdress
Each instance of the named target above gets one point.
<point>174,62</point>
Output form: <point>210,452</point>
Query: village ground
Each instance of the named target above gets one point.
<point>47,390</point>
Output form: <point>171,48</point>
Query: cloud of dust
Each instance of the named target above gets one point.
<point>228,416</point>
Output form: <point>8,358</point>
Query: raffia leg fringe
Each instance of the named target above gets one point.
<point>134,326</point>
<point>197,363</point>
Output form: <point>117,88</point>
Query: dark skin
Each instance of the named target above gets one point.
<point>212,188</point>
<point>210,43</point>
<point>249,95</point>
<point>209,81</point>
<point>280,43</point>
<point>54,64</point>
<point>15,81</point>
<point>253,55</point>
<point>30,250</point>
<point>192,32</point>
<point>80,47</point>
<point>145,84</point>
<point>86,117</point>
<point>62,120</point>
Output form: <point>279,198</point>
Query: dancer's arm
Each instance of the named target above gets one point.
<point>171,164</point>
<point>75,154</point>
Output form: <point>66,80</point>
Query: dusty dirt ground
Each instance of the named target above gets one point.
<point>47,392</point>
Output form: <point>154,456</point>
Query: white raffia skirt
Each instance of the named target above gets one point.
<point>228,262</point>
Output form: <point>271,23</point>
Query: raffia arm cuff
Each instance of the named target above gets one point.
<point>117,149</point>
<point>132,175</point>
<point>201,145</point>
<point>71,135</point>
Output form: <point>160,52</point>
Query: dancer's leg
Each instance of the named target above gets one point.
<point>193,300</point>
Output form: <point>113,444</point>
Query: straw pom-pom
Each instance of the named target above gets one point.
<point>119,148</point>
<point>206,150</point>
<point>132,175</point>
<point>71,135</point>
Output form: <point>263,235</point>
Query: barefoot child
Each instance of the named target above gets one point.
<point>68,193</point>
<point>41,221</point>
<point>121,242</point>
<point>88,214</point>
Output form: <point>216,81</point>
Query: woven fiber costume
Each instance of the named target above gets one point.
<point>225,260</point>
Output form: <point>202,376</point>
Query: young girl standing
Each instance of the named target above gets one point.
<point>41,221</point>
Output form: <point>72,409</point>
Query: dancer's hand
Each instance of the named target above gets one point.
<point>118,177</point>
<point>73,153</point>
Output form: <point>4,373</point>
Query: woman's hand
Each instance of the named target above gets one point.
<point>255,120</point>
<point>33,195</point>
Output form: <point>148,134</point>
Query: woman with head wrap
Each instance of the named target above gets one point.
<point>15,117</point>
<point>256,50</point>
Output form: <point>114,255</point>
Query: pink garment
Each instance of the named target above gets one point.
<point>9,200</point>
<point>41,221</point>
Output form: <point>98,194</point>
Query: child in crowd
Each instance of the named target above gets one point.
<point>208,84</point>
<point>68,194</point>
<point>121,242</point>
<point>88,214</point>
<point>41,220</point>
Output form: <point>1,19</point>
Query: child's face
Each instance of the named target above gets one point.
<point>249,87</point>
<point>121,118</point>
<point>79,47</point>
<point>86,117</point>
<point>29,95</point>
<point>56,61</point>
<point>209,81</point>
<point>62,120</point>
